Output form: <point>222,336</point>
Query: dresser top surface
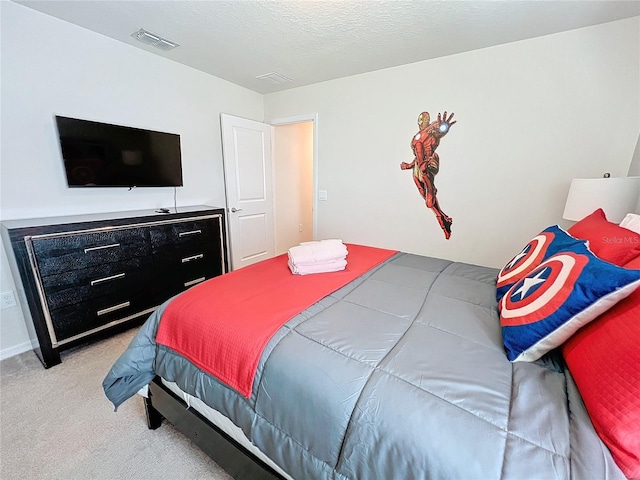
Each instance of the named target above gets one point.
<point>140,215</point>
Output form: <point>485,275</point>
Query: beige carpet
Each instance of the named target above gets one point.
<point>57,424</point>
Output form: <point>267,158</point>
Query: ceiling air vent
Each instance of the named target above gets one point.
<point>274,78</point>
<point>152,39</point>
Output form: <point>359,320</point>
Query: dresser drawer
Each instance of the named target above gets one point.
<point>184,276</point>
<point>59,254</point>
<point>79,318</point>
<point>75,286</point>
<point>206,268</point>
<point>186,238</point>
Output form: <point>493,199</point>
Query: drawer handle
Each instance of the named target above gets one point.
<point>194,257</point>
<point>114,308</point>
<point>191,232</point>
<point>193,282</point>
<point>91,249</point>
<point>106,279</point>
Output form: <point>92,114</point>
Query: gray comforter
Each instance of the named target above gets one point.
<point>399,375</point>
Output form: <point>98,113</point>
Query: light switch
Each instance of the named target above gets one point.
<point>322,195</point>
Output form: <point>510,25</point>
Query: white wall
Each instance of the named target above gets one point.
<point>293,175</point>
<point>531,116</point>
<point>52,67</point>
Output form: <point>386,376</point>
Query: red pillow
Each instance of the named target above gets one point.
<point>607,240</point>
<point>604,359</point>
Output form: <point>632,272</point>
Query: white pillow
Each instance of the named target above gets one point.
<point>631,222</point>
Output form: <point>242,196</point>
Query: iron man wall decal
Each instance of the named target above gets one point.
<point>426,163</point>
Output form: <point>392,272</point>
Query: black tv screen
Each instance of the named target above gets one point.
<point>104,155</point>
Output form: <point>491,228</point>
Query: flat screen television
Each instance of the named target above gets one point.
<point>104,155</point>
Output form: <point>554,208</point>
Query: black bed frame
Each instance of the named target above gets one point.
<point>224,450</point>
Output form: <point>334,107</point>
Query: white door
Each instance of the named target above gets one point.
<point>246,150</point>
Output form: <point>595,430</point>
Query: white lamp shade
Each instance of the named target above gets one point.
<point>616,196</point>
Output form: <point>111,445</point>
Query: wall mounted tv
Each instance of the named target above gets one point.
<point>103,155</point>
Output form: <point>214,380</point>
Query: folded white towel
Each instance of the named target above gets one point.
<point>312,253</point>
<point>325,242</point>
<point>333,266</point>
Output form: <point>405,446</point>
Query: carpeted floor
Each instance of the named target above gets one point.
<point>57,424</point>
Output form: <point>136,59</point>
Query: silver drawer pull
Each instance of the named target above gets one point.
<point>192,232</point>
<point>91,249</point>
<point>194,257</point>
<point>193,282</point>
<point>106,279</point>
<point>114,308</point>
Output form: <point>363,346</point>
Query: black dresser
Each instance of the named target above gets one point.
<point>84,276</point>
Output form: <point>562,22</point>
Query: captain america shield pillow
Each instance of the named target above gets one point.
<point>563,293</point>
<point>548,242</point>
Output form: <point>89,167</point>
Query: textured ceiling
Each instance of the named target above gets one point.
<point>312,41</point>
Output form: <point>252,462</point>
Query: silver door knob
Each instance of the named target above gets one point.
<point>234,210</point>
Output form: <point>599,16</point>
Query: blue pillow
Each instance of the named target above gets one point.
<point>548,242</point>
<point>566,291</point>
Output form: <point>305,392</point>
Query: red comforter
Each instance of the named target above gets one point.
<point>224,324</point>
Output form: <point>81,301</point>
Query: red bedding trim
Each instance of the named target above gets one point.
<point>223,325</point>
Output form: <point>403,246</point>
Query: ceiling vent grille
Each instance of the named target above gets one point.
<point>155,40</point>
<point>274,78</point>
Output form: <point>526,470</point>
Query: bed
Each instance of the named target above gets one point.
<point>399,373</point>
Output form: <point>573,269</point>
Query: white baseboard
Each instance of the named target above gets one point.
<point>15,350</point>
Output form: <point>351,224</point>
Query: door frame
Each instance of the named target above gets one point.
<point>303,118</point>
